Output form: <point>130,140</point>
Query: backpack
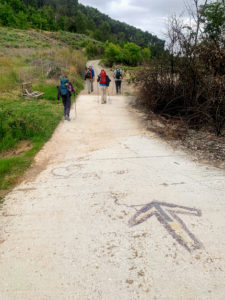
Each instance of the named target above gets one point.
<point>89,74</point>
<point>103,77</point>
<point>63,86</point>
<point>118,74</point>
<point>107,80</point>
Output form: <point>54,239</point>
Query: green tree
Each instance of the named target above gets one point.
<point>98,35</point>
<point>105,31</point>
<point>16,5</point>
<point>6,15</point>
<point>48,14</point>
<point>61,22</point>
<point>132,54</point>
<point>94,50</point>
<point>146,55</point>
<point>113,53</point>
<point>38,20</point>
<point>121,37</point>
<point>22,21</point>
<point>213,18</point>
<point>81,22</point>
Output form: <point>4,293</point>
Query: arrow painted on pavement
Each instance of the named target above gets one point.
<point>167,216</point>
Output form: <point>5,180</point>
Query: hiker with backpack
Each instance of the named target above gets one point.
<point>118,76</point>
<point>65,90</point>
<point>88,77</point>
<point>92,79</point>
<point>104,81</point>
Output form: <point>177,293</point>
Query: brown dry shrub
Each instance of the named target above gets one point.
<point>194,92</point>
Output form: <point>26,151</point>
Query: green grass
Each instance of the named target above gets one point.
<point>50,91</point>
<point>8,80</point>
<point>33,120</point>
<point>74,40</point>
<point>11,168</point>
<point>19,38</point>
<point>27,119</point>
<point>15,38</point>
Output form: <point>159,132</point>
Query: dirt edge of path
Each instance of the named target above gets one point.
<point>202,145</point>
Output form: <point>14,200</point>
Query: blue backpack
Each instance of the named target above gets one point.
<point>63,86</point>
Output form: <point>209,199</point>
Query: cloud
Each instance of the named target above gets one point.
<point>148,15</point>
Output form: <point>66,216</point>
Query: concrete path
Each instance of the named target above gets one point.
<point>115,214</point>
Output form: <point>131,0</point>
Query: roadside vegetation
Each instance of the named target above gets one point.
<point>128,54</point>
<point>187,83</point>
<point>26,123</point>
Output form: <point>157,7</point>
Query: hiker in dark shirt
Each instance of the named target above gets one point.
<point>65,90</point>
<point>89,77</point>
<point>118,76</point>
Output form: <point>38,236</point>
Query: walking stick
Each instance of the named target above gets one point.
<point>110,100</point>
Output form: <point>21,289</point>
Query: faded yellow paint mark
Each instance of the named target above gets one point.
<point>175,226</point>
<point>143,216</point>
<point>181,233</point>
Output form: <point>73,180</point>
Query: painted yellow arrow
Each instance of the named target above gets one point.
<point>167,215</point>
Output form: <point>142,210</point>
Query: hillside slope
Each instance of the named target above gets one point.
<point>69,15</point>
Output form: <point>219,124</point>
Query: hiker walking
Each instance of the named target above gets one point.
<point>92,79</point>
<point>118,76</point>
<point>104,81</point>
<point>65,90</point>
<point>88,77</point>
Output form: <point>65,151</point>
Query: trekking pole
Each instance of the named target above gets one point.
<point>109,97</point>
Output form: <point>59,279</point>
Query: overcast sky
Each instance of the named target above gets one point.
<point>148,15</point>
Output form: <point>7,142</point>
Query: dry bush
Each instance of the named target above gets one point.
<point>72,60</point>
<point>191,94</point>
<point>188,83</point>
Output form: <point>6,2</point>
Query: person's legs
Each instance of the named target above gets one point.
<point>119,86</point>
<point>116,82</point>
<point>89,85</point>
<point>64,100</point>
<point>104,94</point>
<point>92,85</point>
<point>68,105</point>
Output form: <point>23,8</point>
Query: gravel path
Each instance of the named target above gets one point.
<point>115,213</point>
